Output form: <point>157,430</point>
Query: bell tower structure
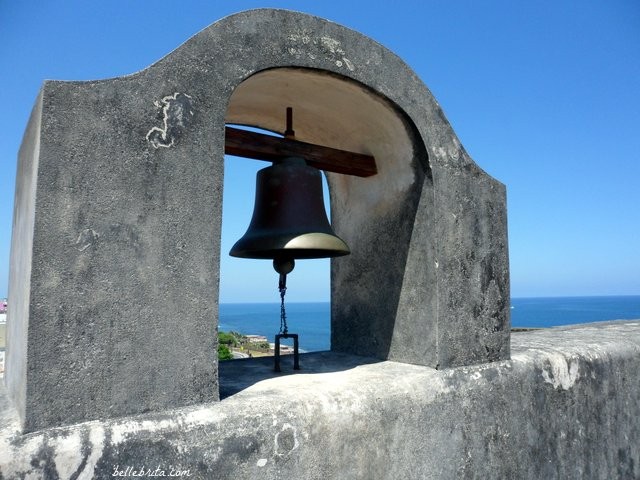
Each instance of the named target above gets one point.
<point>115,253</point>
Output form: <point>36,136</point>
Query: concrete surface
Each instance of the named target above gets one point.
<point>566,406</point>
<point>115,251</point>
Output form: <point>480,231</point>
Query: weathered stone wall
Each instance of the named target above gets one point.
<point>115,312</point>
<point>115,254</point>
<point>566,406</point>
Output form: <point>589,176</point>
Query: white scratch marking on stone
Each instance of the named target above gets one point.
<point>563,373</point>
<point>332,45</point>
<point>96,438</point>
<point>66,456</point>
<point>348,63</point>
<point>164,131</point>
<point>262,462</point>
<point>121,431</point>
<point>287,430</point>
<point>14,458</point>
<point>86,238</point>
<point>520,358</point>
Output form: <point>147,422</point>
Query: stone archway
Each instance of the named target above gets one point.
<point>114,275</point>
<point>375,214</point>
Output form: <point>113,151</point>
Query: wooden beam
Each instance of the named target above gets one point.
<point>243,143</point>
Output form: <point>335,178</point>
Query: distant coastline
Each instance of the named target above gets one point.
<point>312,320</point>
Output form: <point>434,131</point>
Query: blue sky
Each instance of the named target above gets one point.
<point>544,95</point>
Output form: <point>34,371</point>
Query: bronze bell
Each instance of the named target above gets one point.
<point>289,220</point>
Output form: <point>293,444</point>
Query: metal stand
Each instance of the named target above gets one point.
<point>296,357</point>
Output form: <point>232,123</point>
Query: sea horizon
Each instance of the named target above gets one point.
<point>521,297</point>
<point>311,320</point>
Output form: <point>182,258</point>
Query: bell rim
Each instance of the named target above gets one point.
<point>301,246</point>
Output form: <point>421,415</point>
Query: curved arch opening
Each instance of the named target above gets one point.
<point>338,112</point>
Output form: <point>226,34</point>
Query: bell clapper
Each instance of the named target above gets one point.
<point>284,265</point>
<point>282,287</point>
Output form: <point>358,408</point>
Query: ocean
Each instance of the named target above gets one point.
<point>311,320</point>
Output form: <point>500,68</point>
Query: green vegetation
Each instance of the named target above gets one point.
<point>230,339</point>
<point>228,342</point>
<point>224,353</point>
<point>262,346</point>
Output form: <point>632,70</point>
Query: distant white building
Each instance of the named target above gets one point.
<point>3,340</point>
<point>256,338</point>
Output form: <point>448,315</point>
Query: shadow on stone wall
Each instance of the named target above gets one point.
<point>238,375</point>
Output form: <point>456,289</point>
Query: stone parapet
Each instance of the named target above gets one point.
<point>565,406</point>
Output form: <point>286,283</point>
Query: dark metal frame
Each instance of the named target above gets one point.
<point>296,356</point>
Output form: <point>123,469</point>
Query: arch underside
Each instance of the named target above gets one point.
<point>375,215</point>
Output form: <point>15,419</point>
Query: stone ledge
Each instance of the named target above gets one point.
<point>566,406</point>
